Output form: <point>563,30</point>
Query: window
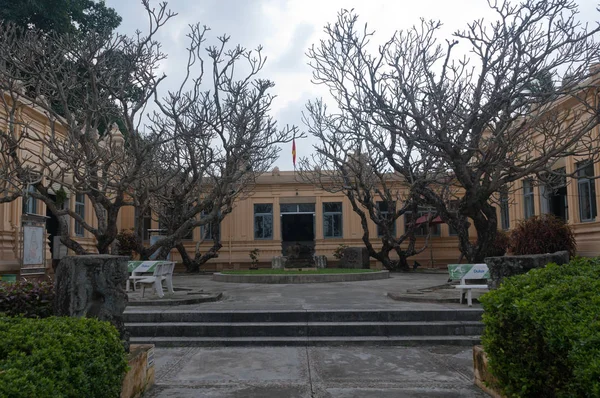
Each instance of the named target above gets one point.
<point>297,208</point>
<point>263,221</point>
<point>422,229</point>
<point>504,214</point>
<point>80,211</point>
<point>434,229</point>
<point>332,220</point>
<point>452,231</point>
<point>529,207</point>
<point>146,221</point>
<point>30,203</point>
<point>453,208</point>
<point>147,225</point>
<point>386,213</point>
<point>586,187</point>
<point>210,231</point>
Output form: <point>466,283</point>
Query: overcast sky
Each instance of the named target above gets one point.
<point>287,28</point>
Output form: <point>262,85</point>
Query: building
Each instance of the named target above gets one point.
<point>281,209</point>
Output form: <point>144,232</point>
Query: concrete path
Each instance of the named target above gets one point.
<point>314,372</point>
<point>311,296</point>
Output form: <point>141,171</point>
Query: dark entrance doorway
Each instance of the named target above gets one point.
<point>298,234</point>
<point>558,203</point>
<point>554,196</point>
<point>297,227</point>
<point>52,230</point>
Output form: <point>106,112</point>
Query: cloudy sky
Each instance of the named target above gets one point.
<point>287,28</point>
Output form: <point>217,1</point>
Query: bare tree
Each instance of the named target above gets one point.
<point>83,84</point>
<point>221,137</point>
<point>344,163</point>
<point>479,106</point>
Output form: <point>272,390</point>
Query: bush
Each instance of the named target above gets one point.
<point>126,242</point>
<point>338,253</point>
<point>501,244</point>
<point>542,234</point>
<point>542,331</point>
<point>27,299</point>
<point>60,357</point>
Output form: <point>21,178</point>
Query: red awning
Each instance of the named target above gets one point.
<point>423,220</point>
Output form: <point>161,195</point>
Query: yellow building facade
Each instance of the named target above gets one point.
<point>280,208</point>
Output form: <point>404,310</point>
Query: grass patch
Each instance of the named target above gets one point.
<point>323,271</point>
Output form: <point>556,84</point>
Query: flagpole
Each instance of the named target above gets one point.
<point>294,153</point>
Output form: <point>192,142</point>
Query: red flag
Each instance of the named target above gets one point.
<point>294,151</point>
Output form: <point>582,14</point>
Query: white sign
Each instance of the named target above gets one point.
<point>33,245</point>
<point>144,267</point>
<point>150,358</point>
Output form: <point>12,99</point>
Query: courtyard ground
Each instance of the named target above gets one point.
<point>311,296</point>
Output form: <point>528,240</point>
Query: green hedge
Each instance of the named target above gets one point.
<point>542,331</point>
<point>60,357</point>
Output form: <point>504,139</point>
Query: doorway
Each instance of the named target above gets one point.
<point>298,233</point>
<point>52,229</point>
<point>554,196</point>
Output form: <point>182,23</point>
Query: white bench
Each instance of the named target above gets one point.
<point>468,271</point>
<point>141,270</point>
<point>162,272</point>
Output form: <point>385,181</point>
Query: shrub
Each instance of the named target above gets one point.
<point>338,253</point>
<point>254,255</point>
<point>542,331</point>
<point>29,299</point>
<point>126,242</point>
<point>501,244</point>
<point>60,357</point>
<point>542,234</point>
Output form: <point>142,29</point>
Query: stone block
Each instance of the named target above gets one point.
<point>355,257</point>
<point>93,287</point>
<point>278,262</point>
<point>321,261</point>
<point>505,266</point>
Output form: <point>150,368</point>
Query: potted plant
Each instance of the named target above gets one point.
<point>254,253</point>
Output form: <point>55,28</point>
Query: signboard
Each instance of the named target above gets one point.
<point>150,358</point>
<point>468,271</point>
<point>141,266</point>
<point>33,245</point>
<point>33,254</point>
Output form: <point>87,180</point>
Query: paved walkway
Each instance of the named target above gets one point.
<point>314,372</point>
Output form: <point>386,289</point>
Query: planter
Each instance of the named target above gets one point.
<point>483,378</point>
<point>506,266</point>
<point>140,376</point>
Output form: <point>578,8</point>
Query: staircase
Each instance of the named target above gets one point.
<point>304,327</point>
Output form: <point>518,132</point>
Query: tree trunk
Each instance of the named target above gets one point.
<point>403,262</point>
<point>193,265</point>
<point>486,224</point>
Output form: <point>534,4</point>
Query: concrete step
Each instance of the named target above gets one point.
<point>302,329</point>
<point>137,315</point>
<point>307,341</point>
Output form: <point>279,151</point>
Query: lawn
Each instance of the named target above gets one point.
<point>268,271</point>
